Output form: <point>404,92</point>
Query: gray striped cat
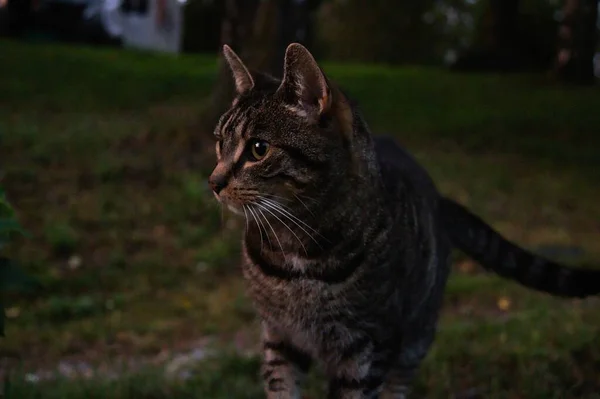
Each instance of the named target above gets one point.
<point>347,241</point>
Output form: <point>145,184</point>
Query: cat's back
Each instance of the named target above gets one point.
<point>399,169</point>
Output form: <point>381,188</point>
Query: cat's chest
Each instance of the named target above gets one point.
<point>308,313</point>
<point>286,292</point>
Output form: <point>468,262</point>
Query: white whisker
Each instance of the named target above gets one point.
<point>274,233</point>
<point>303,204</point>
<point>306,198</point>
<point>276,196</point>
<point>297,221</point>
<point>283,214</point>
<point>259,224</point>
<point>284,223</point>
<point>288,211</point>
<point>245,216</point>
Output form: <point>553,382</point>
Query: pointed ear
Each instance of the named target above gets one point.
<point>304,85</point>
<point>242,78</point>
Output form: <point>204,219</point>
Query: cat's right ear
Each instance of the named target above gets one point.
<point>304,85</point>
<point>241,76</point>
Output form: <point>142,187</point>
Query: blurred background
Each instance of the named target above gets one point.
<point>106,116</point>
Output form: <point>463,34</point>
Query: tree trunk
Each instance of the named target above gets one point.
<point>259,31</point>
<point>498,47</point>
<point>577,38</point>
<point>504,15</point>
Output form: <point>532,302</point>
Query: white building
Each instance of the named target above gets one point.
<point>152,24</point>
<point>146,24</point>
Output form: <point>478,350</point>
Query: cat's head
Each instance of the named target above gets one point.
<point>281,141</point>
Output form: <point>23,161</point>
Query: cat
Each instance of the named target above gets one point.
<point>347,244</point>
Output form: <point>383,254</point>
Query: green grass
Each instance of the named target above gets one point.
<point>103,158</point>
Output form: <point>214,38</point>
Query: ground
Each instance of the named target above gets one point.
<point>104,160</point>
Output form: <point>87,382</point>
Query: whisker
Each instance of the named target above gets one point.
<point>285,224</point>
<point>288,211</point>
<point>262,219</point>
<point>280,211</point>
<point>303,204</point>
<point>245,216</point>
<point>299,222</point>
<point>306,198</point>
<point>274,233</point>
<point>274,196</point>
<point>259,224</point>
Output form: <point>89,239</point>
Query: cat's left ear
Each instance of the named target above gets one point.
<point>241,76</point>
<point>304,85</point>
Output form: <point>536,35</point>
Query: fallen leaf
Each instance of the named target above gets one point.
<point>75,262</point>
<point>12,313</point>
<point>466,266</point>
<point>503,303</point>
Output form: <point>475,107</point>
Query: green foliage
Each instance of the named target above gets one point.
<point>387,31</point>
<point>8,223</point>
<point>155,78</point>
<point>62,237</point>
<point>375,31</point>
<point>11,276</point>
<point>65,308</point>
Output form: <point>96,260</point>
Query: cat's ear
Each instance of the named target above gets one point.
<point>241,76</point>
<point>304,85</point>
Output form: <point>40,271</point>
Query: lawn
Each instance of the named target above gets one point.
<point>103,157</point>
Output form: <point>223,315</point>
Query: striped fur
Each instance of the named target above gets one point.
<point>480,241</point>
<point>347,241</point>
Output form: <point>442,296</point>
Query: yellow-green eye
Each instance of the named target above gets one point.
<point>258,149</point>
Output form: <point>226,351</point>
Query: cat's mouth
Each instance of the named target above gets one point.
<point>236,210</point>
<point>233,207</point>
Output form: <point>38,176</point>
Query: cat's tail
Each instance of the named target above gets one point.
<point>472,235</point>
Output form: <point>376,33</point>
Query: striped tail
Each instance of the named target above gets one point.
<point>477,239</point>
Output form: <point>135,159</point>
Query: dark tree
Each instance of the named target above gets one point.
<point>388,31</point>
<point>15,18</point>
<point>504,17</point>
<point>577,37</point>
<point>497,44</point>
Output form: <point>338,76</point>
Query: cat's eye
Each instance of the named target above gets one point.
<point>259,149</point>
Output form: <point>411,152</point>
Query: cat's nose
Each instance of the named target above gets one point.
<point>217,183</point>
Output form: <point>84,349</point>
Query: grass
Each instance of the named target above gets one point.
<point>103,159</point>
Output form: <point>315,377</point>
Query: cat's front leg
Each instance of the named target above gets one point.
<point>283,368</point>
<point>360,372</point>
<point>366,386</point>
